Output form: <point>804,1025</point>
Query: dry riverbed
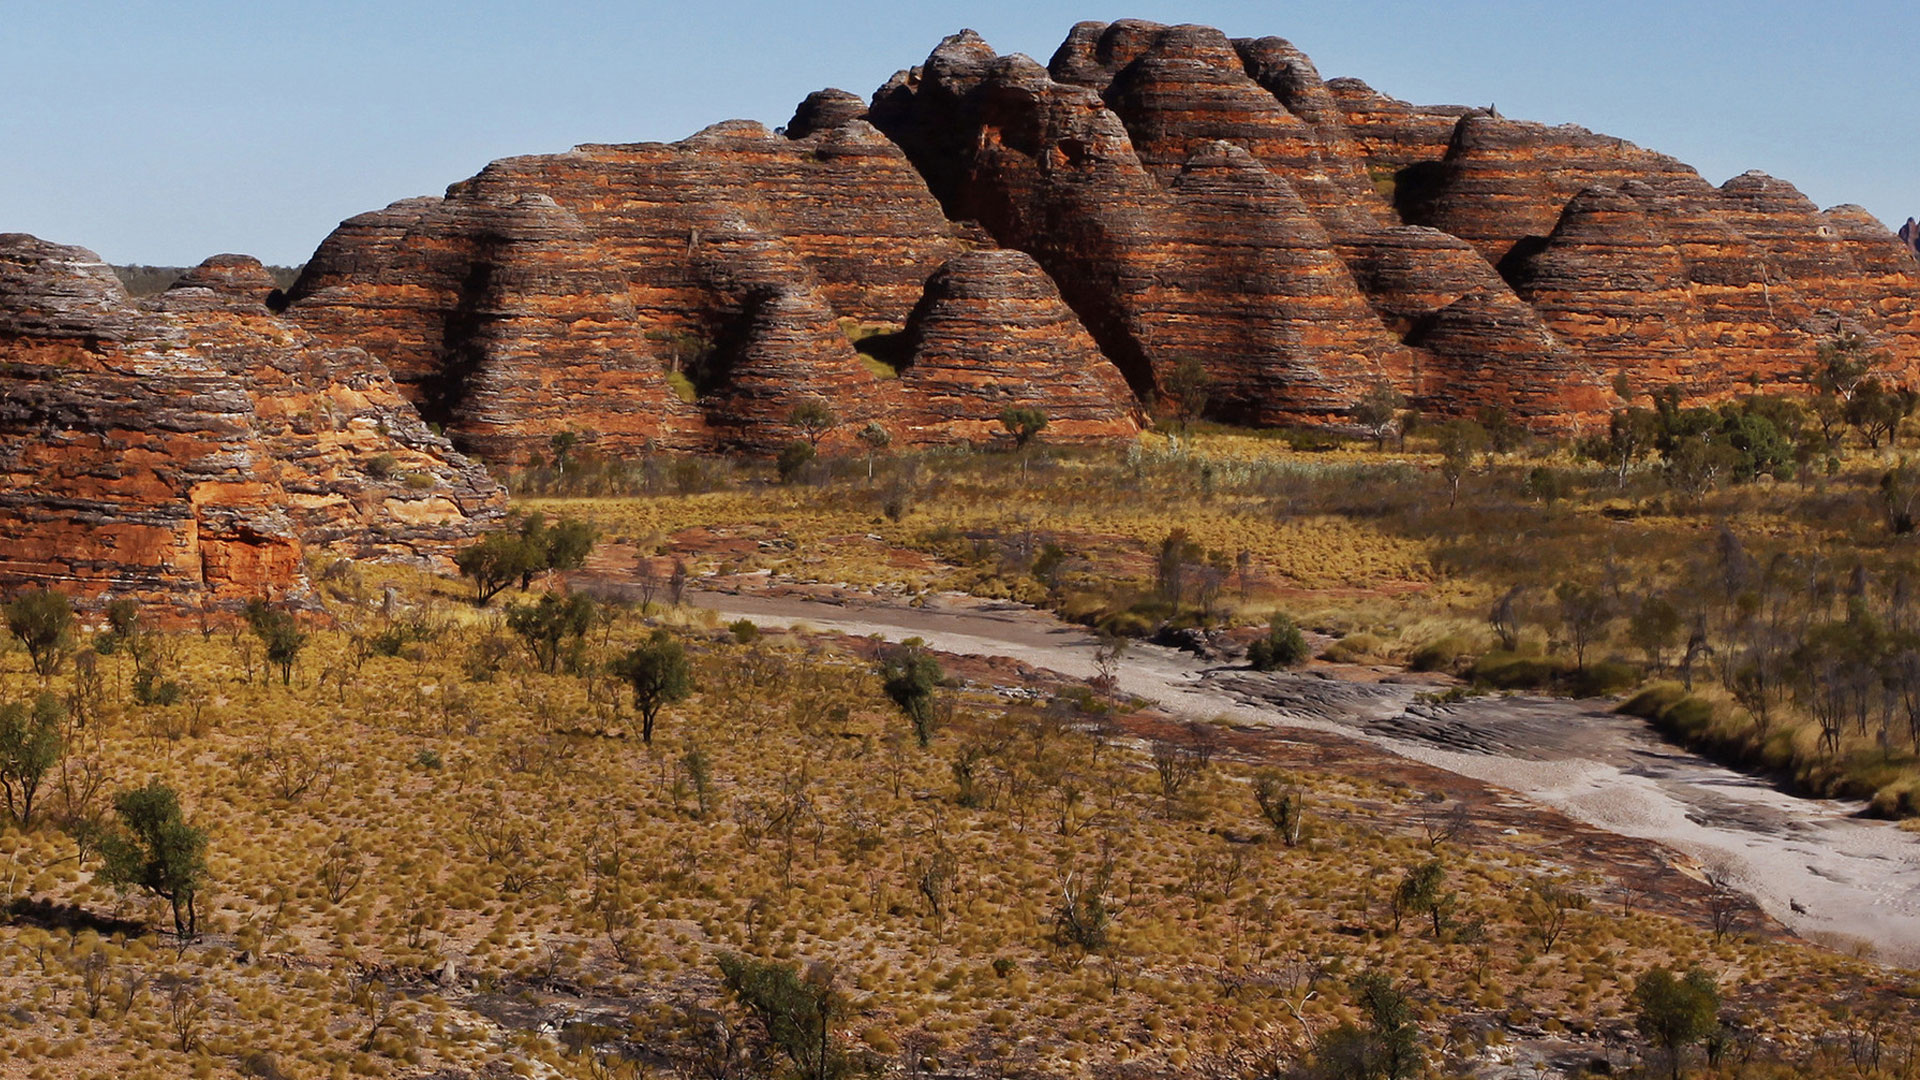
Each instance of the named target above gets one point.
<point>1814,865</point>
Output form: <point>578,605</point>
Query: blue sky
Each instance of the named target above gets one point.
<point>165,132</point>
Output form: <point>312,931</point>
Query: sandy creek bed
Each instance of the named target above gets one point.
<point>1851,876</point>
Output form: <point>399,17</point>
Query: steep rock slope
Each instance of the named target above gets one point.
<point>183,452</point>
<point>1189,196</point>
<point>573,291</point>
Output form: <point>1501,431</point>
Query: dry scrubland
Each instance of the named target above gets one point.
<point>417,860</point>
<point>426,856</point>
<point>1775,621</point>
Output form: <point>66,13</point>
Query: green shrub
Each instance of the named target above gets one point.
<point>1283,647</point>
<point>793,457</point>
<point>682,387</point>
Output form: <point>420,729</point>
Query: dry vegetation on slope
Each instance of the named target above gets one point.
<point>444,858</point>
<point>428,856</point>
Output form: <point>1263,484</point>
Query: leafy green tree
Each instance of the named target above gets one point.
<point>1179,551</point>
<point>565,545</point>
<point>552,627</point>
<point>1675,1012</point>
<point>814,417</point>
<point>797,1011</point>
<point>660,675</point>
<point>494,562</point>
<point>562,444</point>
<point>1504,433</point>
<point>1876,410</point>
<point>1024,423</point>
<point>1387,1049</point>
<point>155,849</point>
<point>30,745</point>
<point>910,675</point>
<point>1377,409</point>
<point>43,621</point>
<point>1631,434</point>
<point>1283,647</point>
<point>1421,892</point>
<point>1841,364</point>
<point>281,635</point>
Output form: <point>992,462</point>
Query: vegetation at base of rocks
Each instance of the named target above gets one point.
<point>1704,543</point>
<point>526,549</point>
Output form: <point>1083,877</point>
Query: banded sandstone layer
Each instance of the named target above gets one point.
<point>195,448</point>
<point>1188,196</point>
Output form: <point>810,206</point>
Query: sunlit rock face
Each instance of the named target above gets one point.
<point>194,448</point>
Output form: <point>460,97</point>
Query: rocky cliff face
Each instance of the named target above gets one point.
<point>995,231</point>
<point>196,448</point>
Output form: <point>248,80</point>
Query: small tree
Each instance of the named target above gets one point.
<point>280,634</point>
<point>30,745</point>
<point>43,621</point>
<point>496,561</point>
<point>1420,892</point>
<point>1675,1012</point>
<point>1584,612</point>
<point>1283,805</point>
<point>1389,1048</point>
<point>1654,628</point>
<point>1547,910</point>
<point>875,438</point>
<point>1377,410</point>
<point>910,675</point>
<point>565,546</point>
<point>1458,441</point>
<point>1024,423</point>
<point>659,673</point>
<point>814,417</point>
<point>548,625</point>
<point>156,850</point>
<point>1283,647</point>
<point>797,1011</point>
<point>1186,389</point>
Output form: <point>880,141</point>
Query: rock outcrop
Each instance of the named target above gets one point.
<point>992,333</point>
<point>185,453</point>
<point>1189,197</point>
